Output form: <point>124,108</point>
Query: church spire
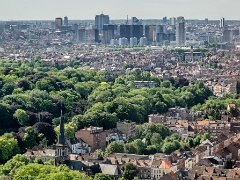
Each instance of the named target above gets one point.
<point>61,136</point>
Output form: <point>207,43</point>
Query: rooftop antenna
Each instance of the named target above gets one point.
<point>127,20</point>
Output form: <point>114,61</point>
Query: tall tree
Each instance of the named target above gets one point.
<point>130,171</point>
<point>22,117</point>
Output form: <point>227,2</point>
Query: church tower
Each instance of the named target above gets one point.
<point>61,154</point>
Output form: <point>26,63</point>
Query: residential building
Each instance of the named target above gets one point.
<point>78,146</point>
<point>156,118</point>
<point>127,128</point>
<point>113,171</point>
<point>133,41</point>
<point>143,41</point>
<point>93,136</point>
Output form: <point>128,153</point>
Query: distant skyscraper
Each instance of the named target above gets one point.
<point>180,31</point>
<point>129,31</point>
<point>206,20</point>
<point>222,23</point>
<point>65,21</point>
<point>137,31</point>
<point>160,33</point>
<point>125,31</point>
<point>172,21</point>
<point>136,21</point>
<point>58,23</point>
<point>151,33</point>
<point>164,20</point>
<point>76,33</point>
<point>82,35</point>
<point>101,20</point>
<point>108,33</point>
<point>96,36</point>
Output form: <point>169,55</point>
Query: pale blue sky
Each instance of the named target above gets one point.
<point>118,9</point>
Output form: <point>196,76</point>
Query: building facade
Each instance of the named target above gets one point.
<point>127,128</point>
<point>180,31</point>
<point>101,20</point>
<point>93,136</point>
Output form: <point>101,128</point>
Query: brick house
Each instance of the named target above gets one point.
<point>93,136</point>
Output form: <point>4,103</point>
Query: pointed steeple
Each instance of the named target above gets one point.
<point>61,136</point>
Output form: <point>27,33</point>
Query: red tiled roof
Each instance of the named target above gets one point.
<point>165,164</point>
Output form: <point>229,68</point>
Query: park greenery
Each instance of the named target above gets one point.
<point>154,138</point>
<point>215,105</point>
<point>33,94</point>
<point>21,167</point>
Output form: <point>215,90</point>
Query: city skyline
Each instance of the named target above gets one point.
<point>78,9</point>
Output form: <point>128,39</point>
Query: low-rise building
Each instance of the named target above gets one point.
<point>127,128</point>
<point>156,118</point>
<point>93,136</point>
<point>78,146</point>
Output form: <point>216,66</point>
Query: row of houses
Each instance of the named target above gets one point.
<point>202,162</point>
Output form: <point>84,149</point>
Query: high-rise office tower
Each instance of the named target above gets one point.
<point>125,31</point>
<point>137,31</point>
<point>164,20</point>
<point>65,21</point>
<point>108,33</point>
<point>172,21</point>
<point>160,33</point>
<point>129,31</point>
<point>101,20</point>
<point>151,33</point>
<point>222,23</point>
<point>180,31</point>
<point>206,20</point>
<point>58,23</point>
<point>88,35</point>
<point>96,37</point>
<point>75,33</point>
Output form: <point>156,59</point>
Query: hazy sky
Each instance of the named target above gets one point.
<point>118,9</point>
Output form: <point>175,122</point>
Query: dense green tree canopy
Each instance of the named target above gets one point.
<point>130,171</point>
<point>40,171</point>
<point>10,166</point>
<point>22,117</point>
<point>33,92</point>
<point>115,147</point>
<point>8,147</point>
<point>101,176</point>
